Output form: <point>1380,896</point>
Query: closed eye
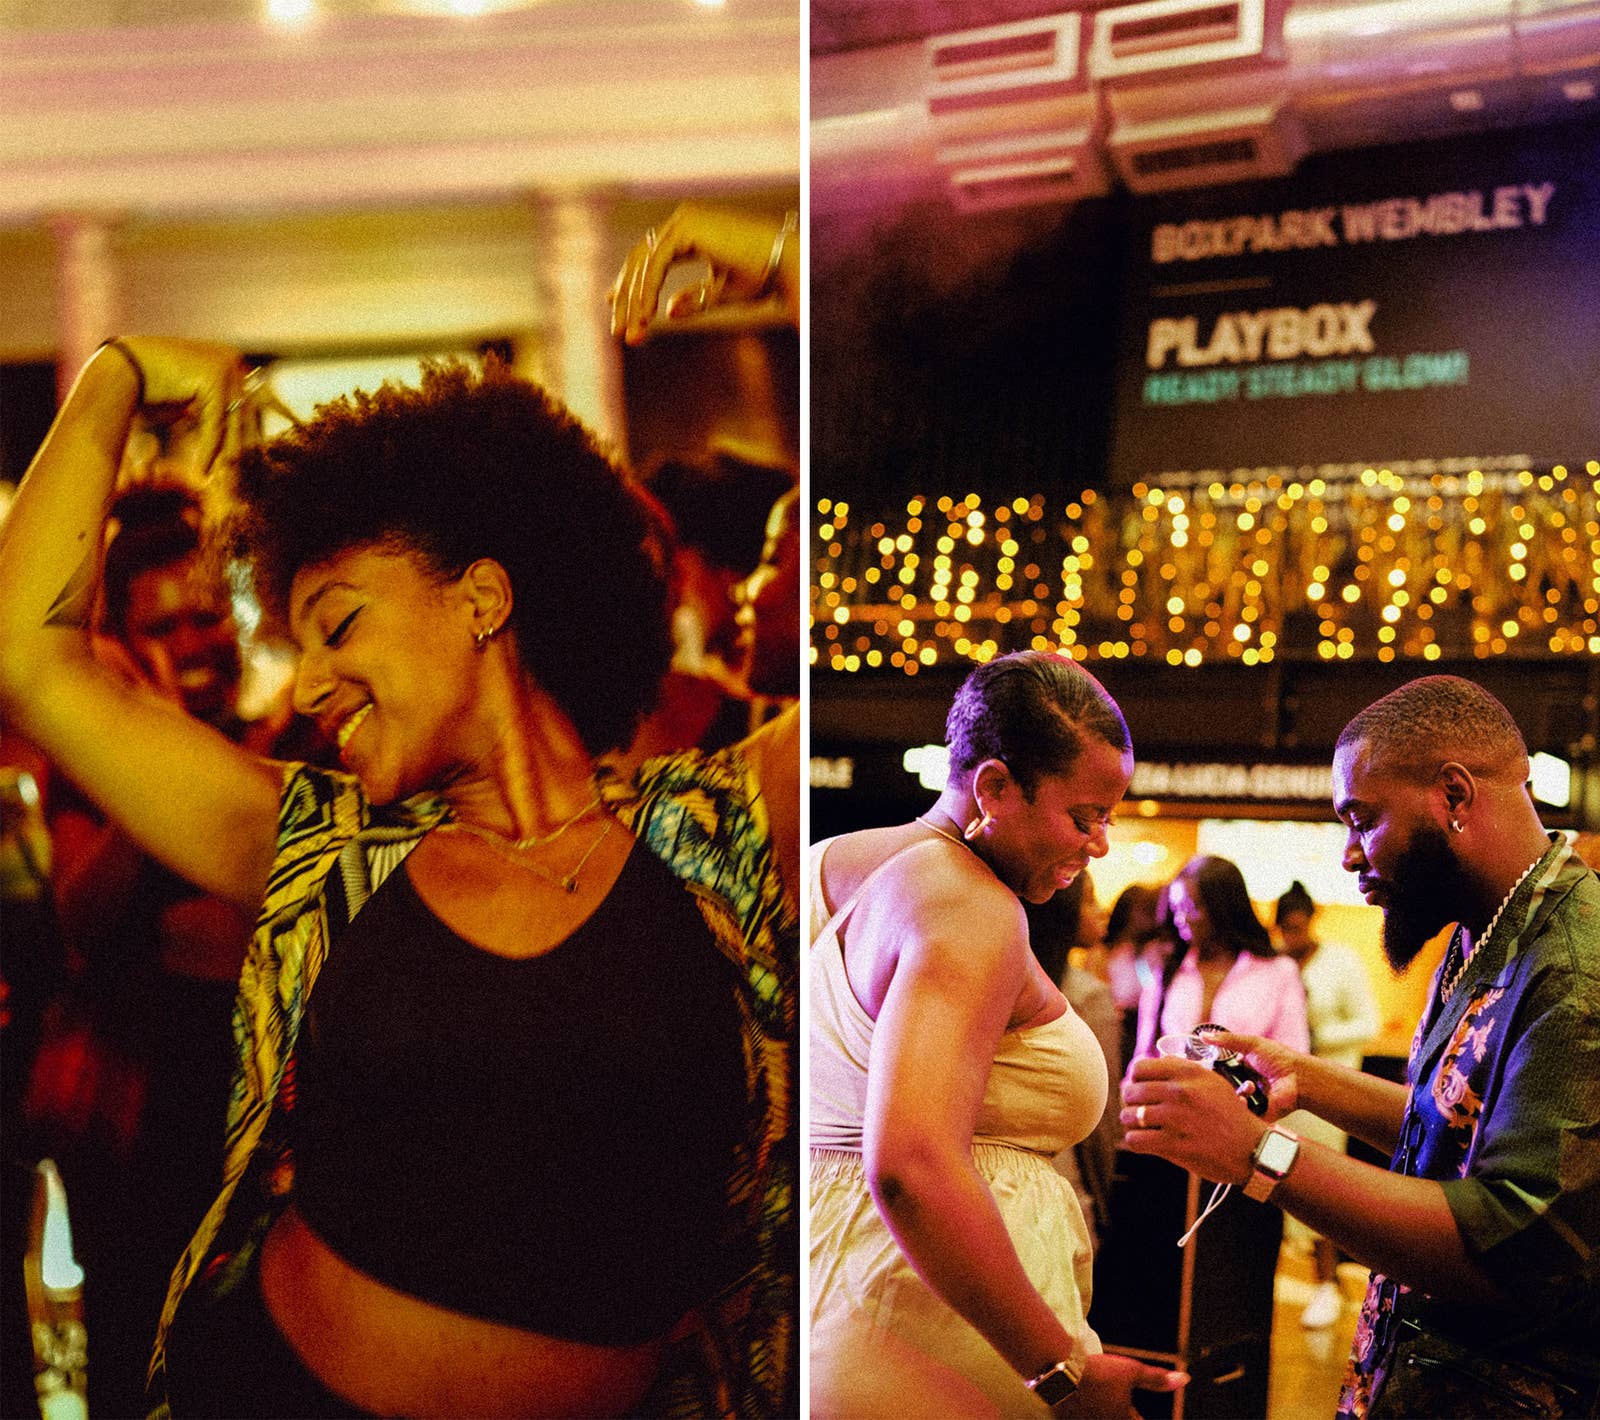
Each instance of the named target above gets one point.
<point>335,637</point>
<point>1088,822</point>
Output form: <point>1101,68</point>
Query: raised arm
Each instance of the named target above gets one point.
<point>752,257</point>
<point>180,790</point>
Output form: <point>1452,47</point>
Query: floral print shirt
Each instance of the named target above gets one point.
<point>705,817</point>
<point>1504,1110</point>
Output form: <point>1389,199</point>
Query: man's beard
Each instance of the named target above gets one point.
<point>1426,890</point>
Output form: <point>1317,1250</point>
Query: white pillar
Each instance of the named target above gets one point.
<point>578,360</point>
<point>89,305</point>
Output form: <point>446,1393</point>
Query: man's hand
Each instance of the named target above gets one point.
<point>1180,1111</point>
<point>1277,1064</point>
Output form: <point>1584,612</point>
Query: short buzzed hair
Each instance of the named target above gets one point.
<point>1415,729</point>
<point>1030,710</point>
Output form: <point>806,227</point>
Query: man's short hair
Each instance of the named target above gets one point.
<point>1436,718</point>
<point>1030,710</point>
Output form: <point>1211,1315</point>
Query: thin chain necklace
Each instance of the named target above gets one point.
<point>511,850</point>
<point>1455,976</point>
<point>534,840</point>
<point>959,842</point>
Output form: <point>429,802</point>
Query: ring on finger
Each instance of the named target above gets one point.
<point>1139,1117</point>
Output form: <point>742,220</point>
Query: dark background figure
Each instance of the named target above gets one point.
<point>130,1090</point>
<point>1136,947</point>
<point>719,507</point>
<point>1343,1016</point>
<point>1223,968</point>
<point>769,607</point>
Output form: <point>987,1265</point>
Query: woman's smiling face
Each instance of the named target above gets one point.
<point>388,668</point>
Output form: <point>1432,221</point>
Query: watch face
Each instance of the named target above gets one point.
<point>1277,1153</point>
<point>1054,1388</point>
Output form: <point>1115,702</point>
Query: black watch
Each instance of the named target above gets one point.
<point>1054,1384</point>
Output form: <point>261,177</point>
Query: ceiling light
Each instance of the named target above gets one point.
<point>290,12</point>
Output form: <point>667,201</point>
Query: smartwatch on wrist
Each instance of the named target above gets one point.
<point>1053,1384</point>
<point>1273,1158</point>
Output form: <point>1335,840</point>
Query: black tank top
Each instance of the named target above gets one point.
<point>543,1142</point>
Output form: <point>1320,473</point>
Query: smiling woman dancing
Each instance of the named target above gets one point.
<point>510,1158</point>
<point>949,1260</point>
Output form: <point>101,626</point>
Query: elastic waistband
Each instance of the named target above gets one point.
<point>828,1164</point>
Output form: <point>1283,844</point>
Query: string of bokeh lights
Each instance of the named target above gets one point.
<point>1406,561</point>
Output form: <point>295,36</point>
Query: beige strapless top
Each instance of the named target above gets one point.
<point>1047,1089</point>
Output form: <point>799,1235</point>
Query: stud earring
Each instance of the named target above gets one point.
<point>978,825</point>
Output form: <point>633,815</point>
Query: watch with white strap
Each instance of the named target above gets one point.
<point>1273,1158</point>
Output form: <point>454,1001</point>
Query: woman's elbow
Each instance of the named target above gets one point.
<point>902,1173</point>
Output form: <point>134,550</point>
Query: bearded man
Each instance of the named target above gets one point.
<point>1484,1234</point>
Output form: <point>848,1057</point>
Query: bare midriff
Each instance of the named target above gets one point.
<point>394,1354</point>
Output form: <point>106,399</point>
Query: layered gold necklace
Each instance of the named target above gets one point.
<point>513,850</point>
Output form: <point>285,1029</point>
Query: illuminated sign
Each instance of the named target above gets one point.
<point>1310,783</point>
<point>931,765</point>
<point>1421,303</point>
<point>837,773</point>
<point>1552,780</point>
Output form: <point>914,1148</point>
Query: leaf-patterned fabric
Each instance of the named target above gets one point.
<point>701,815</point>
<point>1504,1110</point>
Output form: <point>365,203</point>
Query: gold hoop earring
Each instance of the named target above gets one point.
<point>483,638</point>
<point>1455,827</point>
<point>978,825</point>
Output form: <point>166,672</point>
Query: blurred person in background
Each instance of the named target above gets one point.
<point>1136,948</point>
<point>1343,1015</point>
<point>483,915</point>
<point>33,963</point>
<point>130,1089</point>
<point>769,608</point>
<point>1483,1234</point>
<point>719,506</point>
<point>1223,970</point>
<point>950,1262</point>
